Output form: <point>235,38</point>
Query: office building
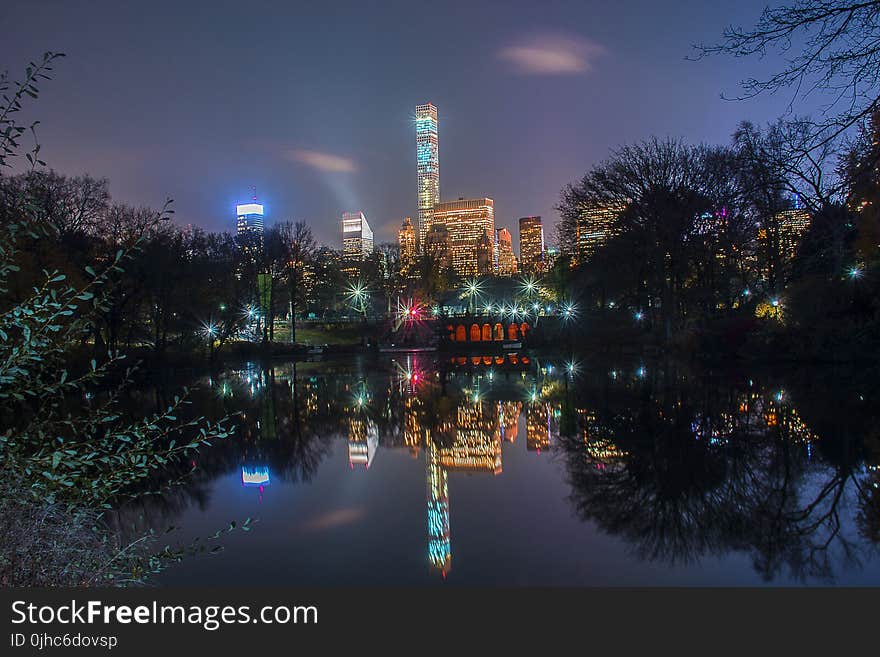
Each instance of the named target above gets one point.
<point>357,236</point>
<point>506,261</point>
<point>466,221</point>
<point>428,167</point>
<point>531,245</point>
<point>485,255</point>
<point>436,245</point>
<point>406,243</point>
<point>595,226</point>
<point>249,225</point>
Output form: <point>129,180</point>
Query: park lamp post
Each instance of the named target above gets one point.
<point>210,332</point>
<point>472,289</point>
<point>357,295</point>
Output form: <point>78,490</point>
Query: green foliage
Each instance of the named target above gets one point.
<point>66,462</point>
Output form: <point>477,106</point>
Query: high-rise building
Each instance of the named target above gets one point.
<point>466,220</point>
<point>428,164</point>
<point>249,224</point>
<point>357,236</point>
<point>791,225</point>
<point>485,255</point>
<point>406,242</point>
<point>436,245</point>
<point>506,259</point>
<point>531,245</point>
<point>595,226</point>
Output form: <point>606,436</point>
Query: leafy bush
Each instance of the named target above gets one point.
<point>65,463</point>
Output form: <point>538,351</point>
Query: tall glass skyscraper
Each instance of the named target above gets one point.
<point>428,162</point>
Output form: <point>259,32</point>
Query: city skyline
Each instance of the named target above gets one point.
<point>312,157</point>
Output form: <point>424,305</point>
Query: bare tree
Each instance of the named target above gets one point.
<point>300,245</point>
<point>831,47</point>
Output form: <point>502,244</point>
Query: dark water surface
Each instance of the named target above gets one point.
<point>429,470</point>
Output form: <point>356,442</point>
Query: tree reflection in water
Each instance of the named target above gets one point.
<point>683,467</point>
<point>680,464</point>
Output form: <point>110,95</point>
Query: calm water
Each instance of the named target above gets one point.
<point>429,470</point>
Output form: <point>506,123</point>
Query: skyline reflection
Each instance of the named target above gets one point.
<point>681,466</point>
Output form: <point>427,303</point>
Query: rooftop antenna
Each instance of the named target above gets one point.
<point>254,187</point>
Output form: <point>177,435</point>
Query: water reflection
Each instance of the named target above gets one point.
<point>680,465</point>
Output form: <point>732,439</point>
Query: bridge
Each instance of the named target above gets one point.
<point>471,329</point>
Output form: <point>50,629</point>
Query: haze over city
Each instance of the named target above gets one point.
<point>314,105</point>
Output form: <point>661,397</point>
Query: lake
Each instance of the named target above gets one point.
<point>437,470</point>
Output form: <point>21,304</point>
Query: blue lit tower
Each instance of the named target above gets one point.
<point>249,223</point>
<point>428,162</point>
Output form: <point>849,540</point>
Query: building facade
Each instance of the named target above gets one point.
<point>466,221</point>
<point>406,243</point>
<point>437,245</point>
<point>428,167</point>
<point>506,263</point>
<point>595,226</point>
<point>791,224</point>
<point>531,245</point>
<point>357,236</point>
<point>249,225</point>
<point>485,255</point>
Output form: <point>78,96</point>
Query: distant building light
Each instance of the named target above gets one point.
<point>249,208</point>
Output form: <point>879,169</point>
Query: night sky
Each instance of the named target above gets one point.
<point>313,103</point>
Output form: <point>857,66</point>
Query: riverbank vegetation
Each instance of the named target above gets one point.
<point>68,453</point>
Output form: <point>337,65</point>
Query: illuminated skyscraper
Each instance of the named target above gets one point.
<point>793,223</point>
<point>485,255</point>
<point>249,225</point>
<point>531,245</point>
<point>595,226</point>
<point>406,242</point>
<point>357,236</point>
<point>506,259</point>
<point>785,233</point>
<point>428,163</point>
<point>466,220</point>
<point>436,245</point>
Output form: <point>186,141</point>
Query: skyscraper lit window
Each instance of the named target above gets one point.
<point>249,226</point>
<point>357,236</point>
<point>466,221</point>
<point>531,245</point>
<point>428,164</point>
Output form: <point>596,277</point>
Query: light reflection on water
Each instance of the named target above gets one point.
<point>532,472</point>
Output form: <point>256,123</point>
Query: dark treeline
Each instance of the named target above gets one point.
<point>179,283</point>
<point>703,238</point>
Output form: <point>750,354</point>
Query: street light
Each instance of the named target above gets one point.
<point>528,286</point>
<point>472,289</point>
<point>357,295</point>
